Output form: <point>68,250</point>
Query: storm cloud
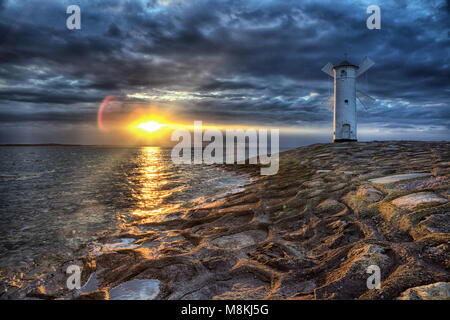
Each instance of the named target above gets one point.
<point>229,62</point>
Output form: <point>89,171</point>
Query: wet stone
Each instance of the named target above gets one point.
<point>290,287</point>
<point>369,193</point>
<point>434,291</point>
<point>438,223</point>
<point>91,284</point>
<point>135,290</point>
<point>411,201</point>
<point>346,172</point>
<point>329,205</point>
<point>124,243</point>
<point>369,255</point>
<point>420,184</point>
<point>398,177</point>
<point>238,240</point>
<point>94,295</point>
<point>243,291</point>
<point>313,184</point>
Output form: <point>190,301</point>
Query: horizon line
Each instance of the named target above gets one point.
<point>165,146</point>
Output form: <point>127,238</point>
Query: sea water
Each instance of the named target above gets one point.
<point>53,199</point>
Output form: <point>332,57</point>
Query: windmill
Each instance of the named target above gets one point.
<point>343,101</point>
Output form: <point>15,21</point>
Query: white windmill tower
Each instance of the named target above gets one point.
<point>343,101</point>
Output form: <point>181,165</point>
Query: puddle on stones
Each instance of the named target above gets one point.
<point>135,290</point>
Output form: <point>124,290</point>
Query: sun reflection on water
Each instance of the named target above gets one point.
<point>153,177</point>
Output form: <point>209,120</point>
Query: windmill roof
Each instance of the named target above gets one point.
<point>345,63</point>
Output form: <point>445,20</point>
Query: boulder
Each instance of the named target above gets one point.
<point>398,177</point>
<point>411,201</point>
<point>94,295</point>
<point>434,291</point>
<point>350,279</point>
<point>239,240</point>
<point>329,205</point>
<point>369,193</point>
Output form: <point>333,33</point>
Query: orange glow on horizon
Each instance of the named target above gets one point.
<point>151,125</point>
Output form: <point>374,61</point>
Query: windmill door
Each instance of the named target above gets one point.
<point>346,131</point>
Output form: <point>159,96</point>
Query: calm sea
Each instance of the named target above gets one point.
<point>53,199</point>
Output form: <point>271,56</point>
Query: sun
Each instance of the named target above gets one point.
<point>150,126</point>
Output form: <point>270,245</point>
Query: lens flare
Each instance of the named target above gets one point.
<point>110,107</point>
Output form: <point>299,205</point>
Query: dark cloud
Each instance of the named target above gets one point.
<point>249,62</point>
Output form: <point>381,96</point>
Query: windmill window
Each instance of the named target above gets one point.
<point>343,73</point>
<point>346,101</point>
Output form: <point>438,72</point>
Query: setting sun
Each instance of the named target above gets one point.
<point>150,126</point>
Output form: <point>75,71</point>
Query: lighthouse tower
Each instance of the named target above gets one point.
<point>343,101</point>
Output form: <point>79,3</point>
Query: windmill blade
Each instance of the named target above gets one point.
<point>329,103</point>
<point>365,65</point>
<point>328,69</point>
<point>364,99</point>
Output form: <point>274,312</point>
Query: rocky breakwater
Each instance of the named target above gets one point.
<point>309,232</point>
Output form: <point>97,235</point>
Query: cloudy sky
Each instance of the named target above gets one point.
<point>227,62</point>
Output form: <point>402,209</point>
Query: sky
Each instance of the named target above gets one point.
<point>225,62</point>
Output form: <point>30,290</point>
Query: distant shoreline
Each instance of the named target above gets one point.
<point>75,145</point>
